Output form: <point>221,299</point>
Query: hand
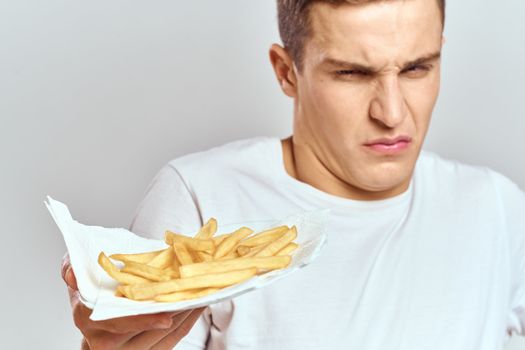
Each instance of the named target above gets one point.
<point>157,331</point>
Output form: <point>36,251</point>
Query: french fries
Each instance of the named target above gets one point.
<point>140,257</point>
<point>191,294</point>
<point>164,259</point>
<point>192,267</point>
<point>273,247</point>
<point>208,230</point>
<point>182,253</point>
<point>266,236</point>
<point>145,291</point>
<point>291,247</point>
<point>145,271</point>
<point>231,241</point>
<point>242,250</point>
<point>200,245</point>
<point>265,263</point>
<point>116,274</point>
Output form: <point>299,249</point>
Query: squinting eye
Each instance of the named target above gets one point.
<point>350,72</point>
<point>417,70</point>
<point>413,68</point>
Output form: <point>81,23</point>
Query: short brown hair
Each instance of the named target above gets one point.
<point>294,22</point>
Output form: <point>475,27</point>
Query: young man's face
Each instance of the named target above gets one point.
<point>369,83</point>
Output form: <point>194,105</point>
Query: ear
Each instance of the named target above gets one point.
<point>283,67</point>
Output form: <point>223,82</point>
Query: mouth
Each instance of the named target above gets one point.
<point>389,145</point>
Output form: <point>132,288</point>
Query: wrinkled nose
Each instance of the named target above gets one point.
<point>388,107</point>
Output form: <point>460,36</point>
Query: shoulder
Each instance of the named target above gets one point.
<point>231,157</point>
<point>450,168</point>
<point>185,186</point>
<point>452,175</point>
<point>446,172</point>
<point>228,168</point>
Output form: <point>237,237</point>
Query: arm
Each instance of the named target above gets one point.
<point>167,205</point>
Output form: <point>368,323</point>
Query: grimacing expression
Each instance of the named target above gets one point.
<point>369,82</point>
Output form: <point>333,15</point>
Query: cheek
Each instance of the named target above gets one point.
<point>421,98</point>
<point>337,107</point>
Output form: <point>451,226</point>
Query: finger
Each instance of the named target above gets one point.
<point>121,325</point>
<point>146,340</point>
<point>131,324</point>
<point>67,272</point>
<point>99,336</point>
<point>94,338</point>
<point>71,279</point>
<point>180,319</point>
<point>173,338</point>
<point>84,345</point>
<point>65,262</point>
<point>74,297</point>
<point>105,340</point>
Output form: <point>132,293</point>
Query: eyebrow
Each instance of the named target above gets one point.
<point>357,66</point>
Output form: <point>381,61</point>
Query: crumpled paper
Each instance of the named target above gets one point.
<point>97,289</point>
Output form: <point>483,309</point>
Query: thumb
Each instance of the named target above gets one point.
<point>67,273</point>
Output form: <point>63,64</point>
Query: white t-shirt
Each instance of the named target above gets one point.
<point>441,266</point>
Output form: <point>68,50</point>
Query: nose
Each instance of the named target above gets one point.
<point>388,107</point>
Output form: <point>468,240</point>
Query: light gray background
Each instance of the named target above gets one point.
<point>96,96</point>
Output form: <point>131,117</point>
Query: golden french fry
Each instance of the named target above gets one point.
<point>212,267</point>
<point>288,249</point>
<point>182,254</point>
<point>195,256</point>
<point>145,271</point>
<point>254,250</point>
<point>122,291</point>
<point>231,255</point>
<point>193,243</point>
<point>115,273</point>
<point>218,239</point>
<point>229,243</point>
<point>205,256</point>
<point>208,230</point>
<point>242,250</point>
<point>175,263</point>
<point>164,259</point>
<point>265,236</point>
<point>146,291</point>
<point>172,272</point>
<point>273,247</point>
<point>190,294</point>
<point>142,258</point>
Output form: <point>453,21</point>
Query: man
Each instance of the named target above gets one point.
<point>422,253</point>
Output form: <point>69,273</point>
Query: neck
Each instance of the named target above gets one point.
<point>303,165</point>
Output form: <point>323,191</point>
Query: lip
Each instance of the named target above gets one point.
<point>389,145</point>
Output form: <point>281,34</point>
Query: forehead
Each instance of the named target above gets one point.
<point>380,33</point>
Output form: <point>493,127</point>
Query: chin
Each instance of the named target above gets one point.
<point>387,180</point>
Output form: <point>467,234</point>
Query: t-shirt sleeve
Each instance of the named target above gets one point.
<point>169,205</point>
<point>512,200</point>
